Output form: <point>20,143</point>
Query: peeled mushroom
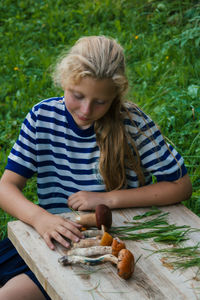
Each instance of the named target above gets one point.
<point>92,250</point>
<point>105,240</point>
<point>124,261</point>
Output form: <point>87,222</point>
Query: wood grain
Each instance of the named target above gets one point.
<point>151,279</point>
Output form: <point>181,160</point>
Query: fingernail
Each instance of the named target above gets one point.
<point>77,239</point>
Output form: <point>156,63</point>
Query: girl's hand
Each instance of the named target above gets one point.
<point>52,227</point>
<point>84,200</point>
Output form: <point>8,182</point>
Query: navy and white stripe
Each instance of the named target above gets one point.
<point>65,157</point>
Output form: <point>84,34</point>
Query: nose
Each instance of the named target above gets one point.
<point>86,108</point>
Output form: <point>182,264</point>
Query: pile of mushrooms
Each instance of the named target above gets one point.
<point>100,242</point>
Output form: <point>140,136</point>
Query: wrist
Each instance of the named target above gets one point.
<point>112,199</point>
<point>37,215</point>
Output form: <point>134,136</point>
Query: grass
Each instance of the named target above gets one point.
<point>161,41</point>
<point>181,257</point>
<point>157,228</point>
<point>176,255</point>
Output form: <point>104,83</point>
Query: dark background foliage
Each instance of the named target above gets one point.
<point>161,41</point>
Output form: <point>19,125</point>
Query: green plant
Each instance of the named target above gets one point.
<point>161,42</point>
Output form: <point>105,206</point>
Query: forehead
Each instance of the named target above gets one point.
<point>96,87</point>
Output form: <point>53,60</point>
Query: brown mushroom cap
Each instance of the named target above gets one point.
<point>103,216</point>
<point>117,245</point>
<point>106,239</point>
<point>125,264</point>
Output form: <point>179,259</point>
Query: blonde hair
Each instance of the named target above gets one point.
<point>95,56</point>
<point>101,57</point>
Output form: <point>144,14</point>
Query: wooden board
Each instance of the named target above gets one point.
<point>151,279</point>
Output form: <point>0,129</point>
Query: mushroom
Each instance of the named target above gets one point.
<point>124,261</point>
<point>105,240</point>
<point>90,251</point>
<point>117,245</point>
<point>125,264</point>
<point>92,233</point>
<point>88,242</point>
<point>102,216</point>
<point>99,249</point>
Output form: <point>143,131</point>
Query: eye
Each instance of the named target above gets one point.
<point>100,102</point>
<point>78,96</point>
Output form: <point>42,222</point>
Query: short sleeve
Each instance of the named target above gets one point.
<point>158,158</point>
<point>22,158</point>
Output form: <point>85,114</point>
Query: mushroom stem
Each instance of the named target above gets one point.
<point>105,240</point>
<point>91,251</point>
<point>84,243</point>
<point>92,233</point>
<point>92,247</point>
<point>124,262</point>
<point>88,220</point>
<point>74,259</point>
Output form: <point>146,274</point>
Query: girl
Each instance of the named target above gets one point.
<point>88,147</point>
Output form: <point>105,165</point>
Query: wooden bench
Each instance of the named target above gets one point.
<point>151,279</point>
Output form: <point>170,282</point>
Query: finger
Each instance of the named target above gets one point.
<point>48,241</point>
<point>75,224</point>
<point>72,200</point>
<point>64,232</point>
<point>82,207</point>
<point>58,237</point>
<point>73,196</point>
<point>75,205</point>
<point>70,231</point>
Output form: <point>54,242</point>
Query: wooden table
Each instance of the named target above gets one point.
<point>151,279</point>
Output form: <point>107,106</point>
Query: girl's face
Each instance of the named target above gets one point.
<point>89,100</point>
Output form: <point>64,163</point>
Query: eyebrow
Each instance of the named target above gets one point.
<point>71,90</point>
<point>95,99</point>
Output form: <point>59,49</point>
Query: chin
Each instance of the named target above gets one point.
<point>84,126</point>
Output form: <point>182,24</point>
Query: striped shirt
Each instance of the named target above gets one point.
<point>66,157</point>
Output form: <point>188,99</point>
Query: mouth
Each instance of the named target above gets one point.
<point>83,118</point>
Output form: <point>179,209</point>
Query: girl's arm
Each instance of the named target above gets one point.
<point>161,193</point>
<point>49,226</point>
